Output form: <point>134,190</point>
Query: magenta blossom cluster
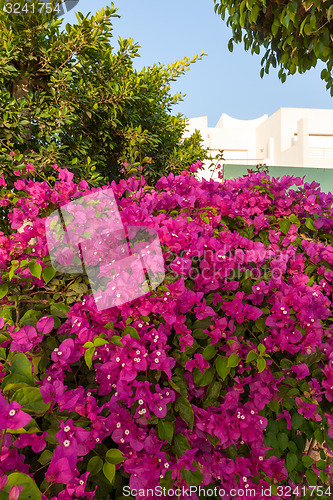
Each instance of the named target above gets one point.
<point>207,380</point>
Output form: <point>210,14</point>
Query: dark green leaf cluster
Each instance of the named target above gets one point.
<point>295,33</point>
<point>73,98</point>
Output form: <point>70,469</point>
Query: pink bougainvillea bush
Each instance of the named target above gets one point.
<point>215,384</point>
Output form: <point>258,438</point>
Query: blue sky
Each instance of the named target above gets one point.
<point>222,82</point>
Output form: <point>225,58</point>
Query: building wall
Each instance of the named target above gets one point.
<point>295,137</point>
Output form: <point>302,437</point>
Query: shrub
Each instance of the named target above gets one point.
<point>72,95</point>
<point>219,378</point>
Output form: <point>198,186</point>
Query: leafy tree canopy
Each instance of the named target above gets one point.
<point>295,33</point>
<point>73,98</point>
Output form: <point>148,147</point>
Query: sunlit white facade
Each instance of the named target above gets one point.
<point>296,137</point>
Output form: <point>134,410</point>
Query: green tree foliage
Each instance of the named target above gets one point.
<point>295,33</point>
<point>71,97</point>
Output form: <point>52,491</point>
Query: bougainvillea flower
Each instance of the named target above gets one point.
<point>11,416</point>
<point>15,492</point>
<point>242,282</point>
<point>198,362</point>
<point>62,468</point>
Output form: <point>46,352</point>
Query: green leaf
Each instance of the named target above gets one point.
<point>261,349</point>
<point>309,224</point>
<point>319,435</point>
<point>292,446</point>
<point>21,372</point>
<point>79,288</point>
<point>307,461</point>
<point>116,340</point>
<point>291,461</point>
<point>109,471</point>
<point>31,400</point>
<point>202,323</point>
<point>261,364</point>
<point>31,317</point>
<point>88,355</point>
<point>130,330</point>
<point>222,367</point>
<point>260,323</point>
<point>30,489</point>
<point>311,477</point>
<point>165,482</point>
<point>115,456</point>
<point>252,355</point>
<point>179,385</point>
<point>181,444</point>
<point>283,440</point>
<point>95,464</point>
<point>209,352</point>
<point>232,451</point>
<point>213,392</point>
<point>165,430</point>
<point>233,360</point>
<point>191,478</point>
<point>184,408</point>
<point>98,342</point>
<point>48,273</point>
<point>294,220</point>
<point>254,13</point>
<point>293,392</point>
<point>59,310</point>
<point>274,406</point>
<point>307,29</point>
<point>203,379</point>
<point>286,364</point>
<point>284,225</point>
<point>321,464</point>
<point>286,20</point>
<point>3,290</point>
<point>296,421</point>
<point>45,457</point>
<point>271,440</point>
<point>13,268</point>
<point>323,476</point>
<point>198,333</point>
<point>329,13</point>
<point>35,269</point>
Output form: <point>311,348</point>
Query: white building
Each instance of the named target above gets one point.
<point>295,137</point>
